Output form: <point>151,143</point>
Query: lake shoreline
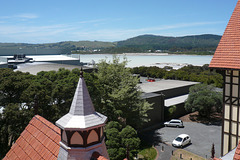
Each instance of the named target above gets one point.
<point>142,54</point>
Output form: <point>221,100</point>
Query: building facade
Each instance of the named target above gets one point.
<point>227,61</point>
<point>164,94</point>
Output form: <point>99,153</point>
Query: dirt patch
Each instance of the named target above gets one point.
<point>215,118</point>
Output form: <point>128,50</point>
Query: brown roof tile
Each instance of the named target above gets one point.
<point>39,140</point>
<point>236,157</point>
<point>227,54</point>
<point>237,153</point>
<point>98,156</point>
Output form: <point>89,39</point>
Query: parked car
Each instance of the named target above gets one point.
<point>181,140</point>
<point>174,123</point>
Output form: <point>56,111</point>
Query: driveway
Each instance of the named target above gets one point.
<point>202,136</point>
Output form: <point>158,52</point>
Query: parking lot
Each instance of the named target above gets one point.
<point>202,136</point>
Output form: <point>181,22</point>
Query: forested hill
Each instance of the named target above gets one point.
<point>196,44</point>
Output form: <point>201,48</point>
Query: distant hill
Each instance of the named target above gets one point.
<point>206,42</point>
<point>195,44</point>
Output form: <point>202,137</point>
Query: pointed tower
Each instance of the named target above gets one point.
<point>81,128</point>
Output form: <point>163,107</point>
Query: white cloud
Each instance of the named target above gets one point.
<point>27,16</point>
<point>75,32</point>
<point>21,17</point>
<point>92,21</point>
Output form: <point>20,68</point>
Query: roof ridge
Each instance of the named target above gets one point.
<point>36,116</point>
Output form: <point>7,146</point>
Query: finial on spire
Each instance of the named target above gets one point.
<point>81,73</point>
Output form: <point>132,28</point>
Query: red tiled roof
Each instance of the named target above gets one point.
<point>39,140</point>
<point>227,54</point>
<point>237,153</point>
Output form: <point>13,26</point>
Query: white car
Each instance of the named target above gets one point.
<point>181,140</point>
<point>174,123</point>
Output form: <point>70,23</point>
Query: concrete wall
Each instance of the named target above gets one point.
<point>156,115</point>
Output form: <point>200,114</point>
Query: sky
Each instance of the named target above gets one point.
<point>48,21</point>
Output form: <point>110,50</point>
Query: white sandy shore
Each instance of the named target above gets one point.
<point>174,65</point>
<point>145,54</point>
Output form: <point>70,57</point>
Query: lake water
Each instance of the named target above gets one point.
<point>176,61</point>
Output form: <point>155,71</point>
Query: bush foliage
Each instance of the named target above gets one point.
<point>188,73</point>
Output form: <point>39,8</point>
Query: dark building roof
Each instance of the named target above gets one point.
<point>227,54</point>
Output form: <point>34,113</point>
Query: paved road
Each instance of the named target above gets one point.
<point>203,136</point>
<point>164,151</point>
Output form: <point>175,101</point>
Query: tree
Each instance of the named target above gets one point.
<point>120,140</point>
<point>12,84</point>
<point>119,95</point>
<point>204,99</point>
<point>188,73</point>
<point>130,140</point>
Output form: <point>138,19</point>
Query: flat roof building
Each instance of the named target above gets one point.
<point>164,94</point>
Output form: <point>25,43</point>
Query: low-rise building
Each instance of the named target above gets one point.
<point>164,94</point>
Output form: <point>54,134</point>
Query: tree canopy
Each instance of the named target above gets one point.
<point>188,73</point>
<point>204,99</point>
<point>118,93</point>
<point>120,140</point>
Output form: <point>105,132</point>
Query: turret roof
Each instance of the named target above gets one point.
<point>82,113</point>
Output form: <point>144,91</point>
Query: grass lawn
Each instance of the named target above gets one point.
<point>149,153</point>
<point>185,155</point>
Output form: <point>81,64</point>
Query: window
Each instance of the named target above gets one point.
<point>92,137</point>
<point>76,139</point>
